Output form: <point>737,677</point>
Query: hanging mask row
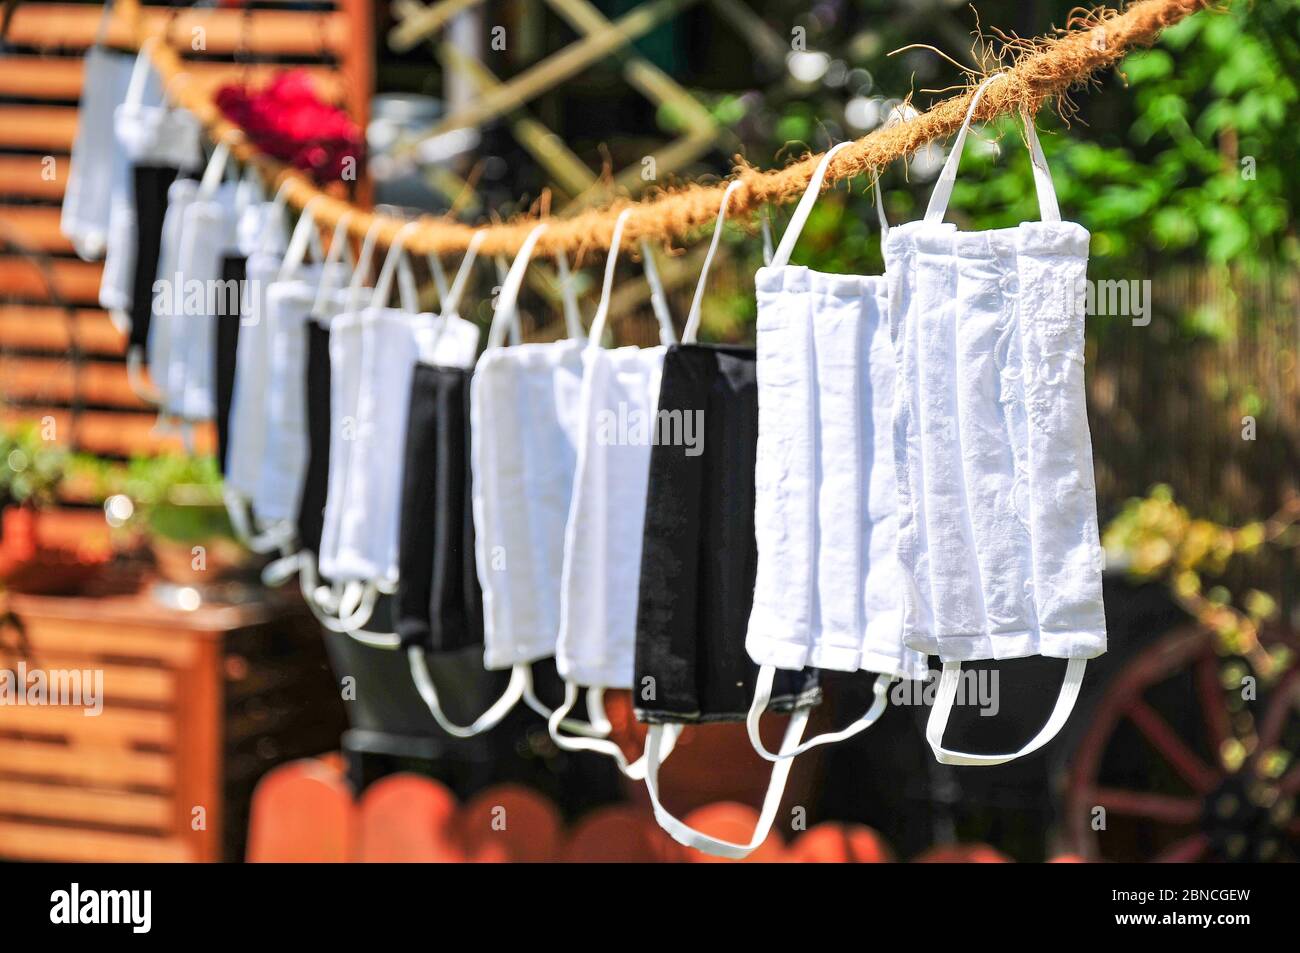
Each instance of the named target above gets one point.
<point>900,467</point>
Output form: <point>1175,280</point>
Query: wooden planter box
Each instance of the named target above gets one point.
<point>196,707</point>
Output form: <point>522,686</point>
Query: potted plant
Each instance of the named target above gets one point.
<point>176,501</point>
<point>34,473</point>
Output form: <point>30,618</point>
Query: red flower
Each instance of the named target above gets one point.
<point>289,122</point>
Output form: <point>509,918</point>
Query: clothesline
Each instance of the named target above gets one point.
<point>1046,69</point>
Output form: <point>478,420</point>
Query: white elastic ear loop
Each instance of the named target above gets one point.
<point>439,278</point>
<point>250,191</point>
<point>135,377</point>
<point>298,241</point>
<point>384,283</point>
<point>276,536</point>
<point>310,585</point>
<point>688,836</point>
<point>765,226</point>
<point>693,317</point>
<point>1048,209</point>
<point>636,770</point>
<point>140,73</point>
<point>408,292</point>
<point>804,208</point>
<point>596,710</point>
<point>880,211</point>
<point>943,699</point>
<point>568,297</point>
<point>763,695</point>
<point>214,172</point>
<point>489,719</point>
<point>597,727</point>
<point>356,613</point>
<point>339,250</point>
<point>356,606</point>
<point>363,265</point>
<point>607,285</point>
<point>507,310</point>
<point>658,296</point>
<point>101,31</point>
<point>279,571</point>
<point>275,220</point>
<point>451,300</point>
<point>516,333</point>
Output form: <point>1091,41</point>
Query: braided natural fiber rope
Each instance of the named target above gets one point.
<point>1044,69</point>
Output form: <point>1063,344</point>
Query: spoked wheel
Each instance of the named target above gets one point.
<point>1187,760</point>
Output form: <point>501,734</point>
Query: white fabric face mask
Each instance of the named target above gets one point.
<point>604,528</point>
<point>826,589</point>
<point>132,144</point>
<point>523,454</point>
<point>288,307</point>
<point>602,552</point>
<point>99,171</point>
<point>115,291</point>
<point>248,418</point>
<point>166,337</point>
<point>361,519</point>
<point>523,424</point>
<point>998,533</point>
<point>156,134</point>
<point>195,279</point>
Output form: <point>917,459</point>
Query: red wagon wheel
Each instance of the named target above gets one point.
<point>1186,764</point>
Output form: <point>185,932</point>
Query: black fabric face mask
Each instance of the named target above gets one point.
<point>234,271</point>
<point>699,553</point>
<point>439,604</point>
<point>315,487</point>
<point>151,183</point>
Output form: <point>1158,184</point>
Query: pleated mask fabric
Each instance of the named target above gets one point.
<point>289,301</point>
<point>596,647</point>
<point>998,534</point>
<point>98,173</point>
<point>523,454</point>
<point>827,582</point>
<point>698,563</point>
<point>602,548</point>
<point>234,276</point>
<point>205,231</point>
<point>439,604</point>
<point>699,552</point>
<point>311,512</point>
<point>604,529</point>
<point>248,414</point>
<point>367,514</point>
<point>166,341</point>
<point>159,143</point>
<point>117,283</point>
<point>439,601</point>
<point>329,302</point>
<point>154,133</point>
<point>524,431</point>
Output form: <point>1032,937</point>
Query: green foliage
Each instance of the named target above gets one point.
<point>1154,538</point>
<point>1186,154</point>
<point>173,496</point>
<point>32,469</point>
<point>177,497</point>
